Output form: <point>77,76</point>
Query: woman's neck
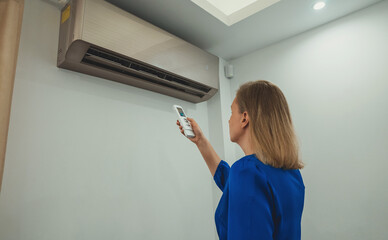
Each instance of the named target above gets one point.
<point>246,144</point>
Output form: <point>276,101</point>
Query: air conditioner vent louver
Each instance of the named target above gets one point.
<point>141,68</point>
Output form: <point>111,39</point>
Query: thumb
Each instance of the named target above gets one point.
<point>190,119</point>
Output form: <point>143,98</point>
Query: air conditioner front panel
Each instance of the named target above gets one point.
<point>102,40</point>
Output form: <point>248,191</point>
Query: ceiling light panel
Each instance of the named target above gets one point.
<point>228,7</point>
<point>232,11</point>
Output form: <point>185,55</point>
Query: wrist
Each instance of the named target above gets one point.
<point>201,142</point>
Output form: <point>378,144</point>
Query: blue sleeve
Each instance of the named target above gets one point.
<point>250,201</point>
<point>221,174</point>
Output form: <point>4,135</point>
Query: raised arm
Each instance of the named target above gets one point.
<point>208,153</point>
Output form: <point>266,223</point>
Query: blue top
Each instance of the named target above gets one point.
<point>258,201</point>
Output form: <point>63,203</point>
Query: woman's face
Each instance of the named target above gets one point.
<point>235,129</point>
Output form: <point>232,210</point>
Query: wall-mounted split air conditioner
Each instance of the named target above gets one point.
<point>100,39</point>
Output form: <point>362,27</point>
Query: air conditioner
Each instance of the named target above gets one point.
<point>99,39</point>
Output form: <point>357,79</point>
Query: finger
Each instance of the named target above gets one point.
<point>191,120</point>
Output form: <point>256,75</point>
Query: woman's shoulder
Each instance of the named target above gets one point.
<point>253,163</point>
<point>242,162</point>
<point>271,174</point>
<point>249,163</point>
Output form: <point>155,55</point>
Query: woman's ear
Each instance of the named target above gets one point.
<point>244,120</point>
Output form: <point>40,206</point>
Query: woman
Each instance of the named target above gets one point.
<point>263,192</point>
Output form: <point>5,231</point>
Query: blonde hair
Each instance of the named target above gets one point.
<point>273,136</point>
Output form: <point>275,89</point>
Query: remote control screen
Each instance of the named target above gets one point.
<point>181,112</point>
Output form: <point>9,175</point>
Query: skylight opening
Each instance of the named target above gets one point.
<point>233,11</point>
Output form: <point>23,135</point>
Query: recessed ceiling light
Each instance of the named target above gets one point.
<point>319,5</point>
<point>232,11</point>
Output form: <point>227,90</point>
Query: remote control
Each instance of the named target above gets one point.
<point>188,130</point>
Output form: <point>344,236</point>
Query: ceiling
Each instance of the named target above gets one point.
<point>282,20</point>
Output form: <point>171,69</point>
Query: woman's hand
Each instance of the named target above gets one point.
<point>196,129</point>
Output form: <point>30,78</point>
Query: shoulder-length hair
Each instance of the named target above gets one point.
<point>273,136</point>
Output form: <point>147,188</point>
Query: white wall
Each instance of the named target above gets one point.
<point>335,79</point>
<point>89,158</point>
